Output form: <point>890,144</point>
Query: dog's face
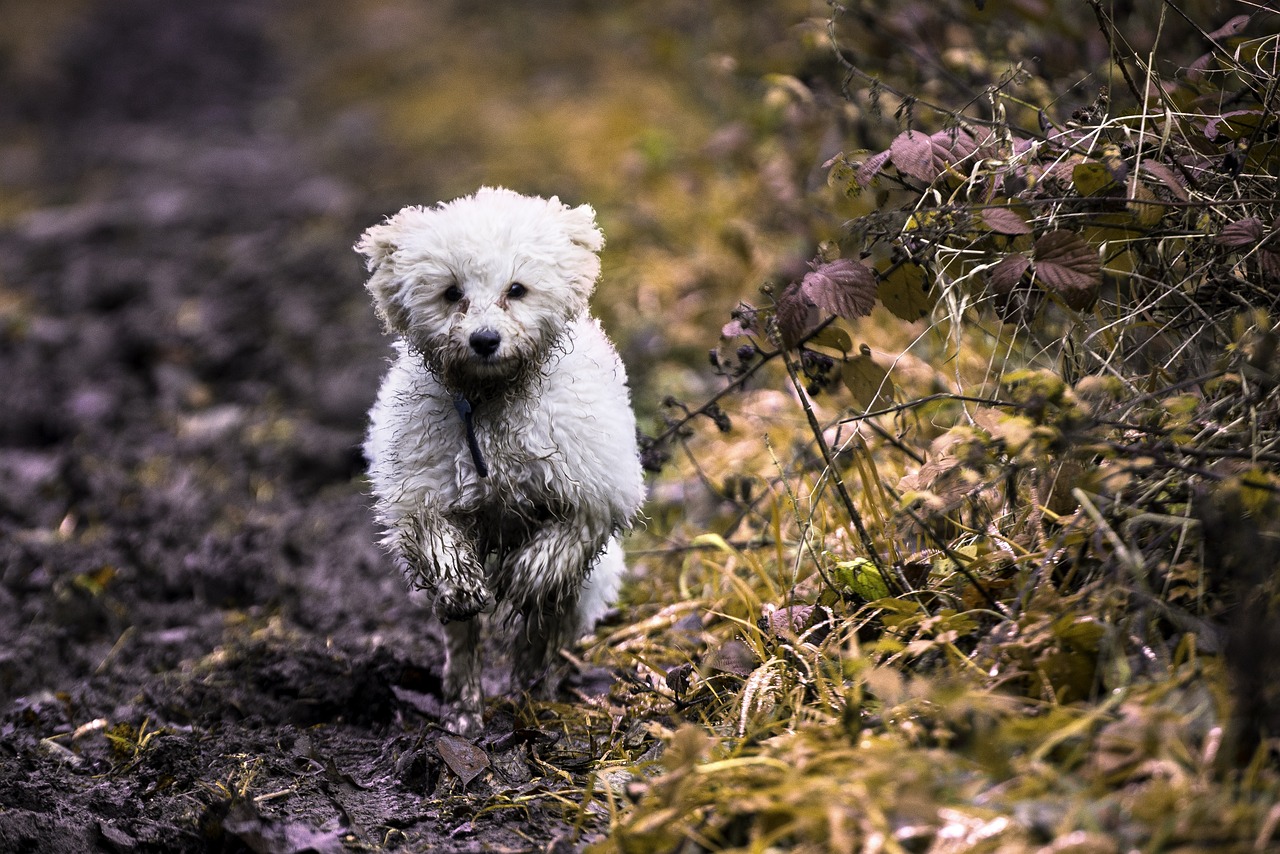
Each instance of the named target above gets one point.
<point>483,286</point>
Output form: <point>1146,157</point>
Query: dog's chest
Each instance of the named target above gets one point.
<point>521,491</point>
<point>522,465</point>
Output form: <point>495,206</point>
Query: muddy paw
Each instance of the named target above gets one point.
<point>464,722</point>
<point>461,603</point>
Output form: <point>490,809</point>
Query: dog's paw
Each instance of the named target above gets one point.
<point>461,602</point>
<point>467,723</point>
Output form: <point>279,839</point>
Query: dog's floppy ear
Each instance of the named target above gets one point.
<point>580,225</point>
<point>377,246</point>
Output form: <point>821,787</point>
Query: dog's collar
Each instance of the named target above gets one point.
<point>463,406</point>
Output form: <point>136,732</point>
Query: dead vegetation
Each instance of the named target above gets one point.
<point>1000,575</point>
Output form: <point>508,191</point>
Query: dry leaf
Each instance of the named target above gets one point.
<point>1067,266</point>
<point>463,758</point>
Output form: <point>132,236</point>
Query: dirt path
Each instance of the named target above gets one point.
<point>200,648</point>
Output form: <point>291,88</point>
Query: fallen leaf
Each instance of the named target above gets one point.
<point>463,758</point>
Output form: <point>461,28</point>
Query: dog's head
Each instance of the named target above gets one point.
<point>483,286</point>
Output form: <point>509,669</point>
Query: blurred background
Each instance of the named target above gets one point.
<point>286,128</point>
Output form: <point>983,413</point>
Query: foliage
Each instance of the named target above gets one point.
<point>1002,574</point>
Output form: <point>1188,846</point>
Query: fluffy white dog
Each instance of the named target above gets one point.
<point>502,447</point>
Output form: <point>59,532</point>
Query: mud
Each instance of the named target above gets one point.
<point>200,646</point>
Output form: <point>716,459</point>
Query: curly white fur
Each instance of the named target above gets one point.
<point>502,446</point>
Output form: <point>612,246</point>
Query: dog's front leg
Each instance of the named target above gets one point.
<point>462,688</point>
<point>439,558</point>
<point>542,581</point>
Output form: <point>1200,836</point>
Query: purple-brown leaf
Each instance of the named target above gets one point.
<point>1067,266</point>
<point>789,621</point>
<point>1232,125</point>
<point>1245,232</point>
<point>463,758</point>
<point>871,167</point>
<point>795,315</point>
<point>913,155</point>
<point>1005,221</point>
<point>1005,274</point>
<point>845,287</point>
<point>1269,261</point>
<point>1234,27</point>
<point>735,657</point>
<point>1166,176</point>
<point>926,156</point>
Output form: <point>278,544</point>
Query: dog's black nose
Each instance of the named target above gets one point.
<point>485,342</point>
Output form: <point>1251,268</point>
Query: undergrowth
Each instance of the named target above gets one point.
<point>975,548</point>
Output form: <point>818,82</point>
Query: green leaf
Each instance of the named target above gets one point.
<point>1080,634</point>
<point>860,577</point>
<point>834,337</point>
<point>906,291</point>
<point>843,176</point>
<point>1092,179</point>
<point>868,382</point>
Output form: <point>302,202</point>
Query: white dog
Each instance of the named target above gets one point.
<point>502,446</point>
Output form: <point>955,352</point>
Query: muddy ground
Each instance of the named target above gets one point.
<point>200,646</point>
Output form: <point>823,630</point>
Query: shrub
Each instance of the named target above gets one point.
<point>1012,578</point>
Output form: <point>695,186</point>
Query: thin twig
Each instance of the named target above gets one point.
<point>920,401</point>
<point>734,385</point>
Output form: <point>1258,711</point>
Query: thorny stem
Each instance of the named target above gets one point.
<point>1108,32</point>
<point>958,560</point>
<point>867,543</point>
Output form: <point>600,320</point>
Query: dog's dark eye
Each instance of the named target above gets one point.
<point>453,293</point>
<point>517,290</point>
